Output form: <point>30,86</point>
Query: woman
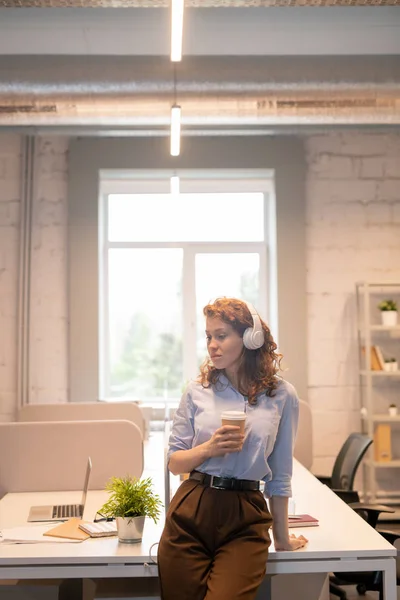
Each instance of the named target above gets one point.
<point>215,542</point>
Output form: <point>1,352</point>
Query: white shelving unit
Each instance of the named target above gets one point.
<point>374,403</point>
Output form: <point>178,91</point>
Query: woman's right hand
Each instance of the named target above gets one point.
<point>225,440</point>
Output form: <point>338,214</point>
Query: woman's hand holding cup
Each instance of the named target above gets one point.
<point>226,439</point>
<point>230,437</point>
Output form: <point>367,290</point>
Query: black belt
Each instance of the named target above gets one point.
<point>225,483</point>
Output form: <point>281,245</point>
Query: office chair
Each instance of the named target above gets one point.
<point>346,465</point>
<point>368,580</point>
<point>342,480</point>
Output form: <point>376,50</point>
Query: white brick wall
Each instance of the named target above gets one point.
<point>10,165</point>
<point>49,309</point>
<point>353,234</point>
<point>48,300</point>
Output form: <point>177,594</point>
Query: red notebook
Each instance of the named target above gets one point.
<point>302,521</point>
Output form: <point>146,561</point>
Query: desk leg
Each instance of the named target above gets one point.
<point>389,580</point>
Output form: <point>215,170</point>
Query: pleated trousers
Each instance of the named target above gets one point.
<point>214,545</point>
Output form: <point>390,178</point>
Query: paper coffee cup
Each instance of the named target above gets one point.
<point>237,418</point>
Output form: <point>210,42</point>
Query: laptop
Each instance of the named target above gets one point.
<point>62,512</point>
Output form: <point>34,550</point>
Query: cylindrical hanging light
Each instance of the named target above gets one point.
<point>174,182</point>
<point>177,29</point>
<point>175,130</point>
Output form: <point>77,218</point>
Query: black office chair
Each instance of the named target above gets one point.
<point>346,465</point>
<point>367,580</point>
<point>342,481</point>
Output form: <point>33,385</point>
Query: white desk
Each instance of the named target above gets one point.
<point>342,542</point>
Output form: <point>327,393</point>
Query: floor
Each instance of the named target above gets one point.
<point>353,595</point>
<point>392,525</point>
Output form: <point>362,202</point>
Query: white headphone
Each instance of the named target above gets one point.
<point>253,337</point>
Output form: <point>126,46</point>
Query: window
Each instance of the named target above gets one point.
<point>164,257</point>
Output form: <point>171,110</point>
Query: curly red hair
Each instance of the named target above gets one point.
<point>258,368</point>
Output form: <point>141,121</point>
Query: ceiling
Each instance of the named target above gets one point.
<point>189,3</point>
<point>248,69</point>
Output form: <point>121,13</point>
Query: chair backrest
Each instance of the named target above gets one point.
<point>303,449</point>
<point>348,459</point>
<point>51,456</point>
<point>83,411</point>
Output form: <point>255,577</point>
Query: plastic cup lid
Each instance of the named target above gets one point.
<point>234,415</point>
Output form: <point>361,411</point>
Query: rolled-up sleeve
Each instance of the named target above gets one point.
<point>182,432</point>
<point>280,460</point>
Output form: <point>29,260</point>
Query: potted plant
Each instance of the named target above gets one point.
<point>392,410</point>
<point>390,364</point>
<point>131,501</point>
<point>388,310</point>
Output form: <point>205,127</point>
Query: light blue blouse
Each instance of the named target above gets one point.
<point>271,427</point>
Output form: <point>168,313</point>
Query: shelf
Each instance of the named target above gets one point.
<point>387,494</point>
<point>381,373</point>
<point>392,464</point>
<point>389,284</point>
<point>383,328</point>
<point>385,418</point>
<point>378,384</point>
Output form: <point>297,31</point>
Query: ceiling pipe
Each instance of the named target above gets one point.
<point>214,91</point>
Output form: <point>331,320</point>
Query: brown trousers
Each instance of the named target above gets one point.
<point>214,545</point>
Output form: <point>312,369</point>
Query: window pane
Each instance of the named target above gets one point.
<point>145,324</point>
<point>186,217</point>
<point>231,275</point>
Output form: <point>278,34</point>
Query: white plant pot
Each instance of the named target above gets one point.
<point>389,318</point>
<point>130,530</point>
<point>390,366</point>
<point>392,411</point>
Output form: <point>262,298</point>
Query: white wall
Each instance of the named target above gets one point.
<point>48,300</point>
<point>353,234</point>
<point>10,175</point>
<point>353,227</point>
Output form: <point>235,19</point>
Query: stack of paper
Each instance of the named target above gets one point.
<point>31,535</point>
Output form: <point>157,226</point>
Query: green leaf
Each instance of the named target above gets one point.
<point>131,497</point>
<point>387,305</point>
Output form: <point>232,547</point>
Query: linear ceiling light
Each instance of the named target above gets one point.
<point>177,29</point>
<point>175,130</point>
<point>174,182</point>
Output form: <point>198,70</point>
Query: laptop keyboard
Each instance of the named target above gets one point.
<point>66,511</point>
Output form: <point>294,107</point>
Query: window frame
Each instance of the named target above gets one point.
<point>130,182</point>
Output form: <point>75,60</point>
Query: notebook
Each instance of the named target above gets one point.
<point>302,521</point>
<point>62,512</point>
<point>69,530</point>
<point>104,529</point>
